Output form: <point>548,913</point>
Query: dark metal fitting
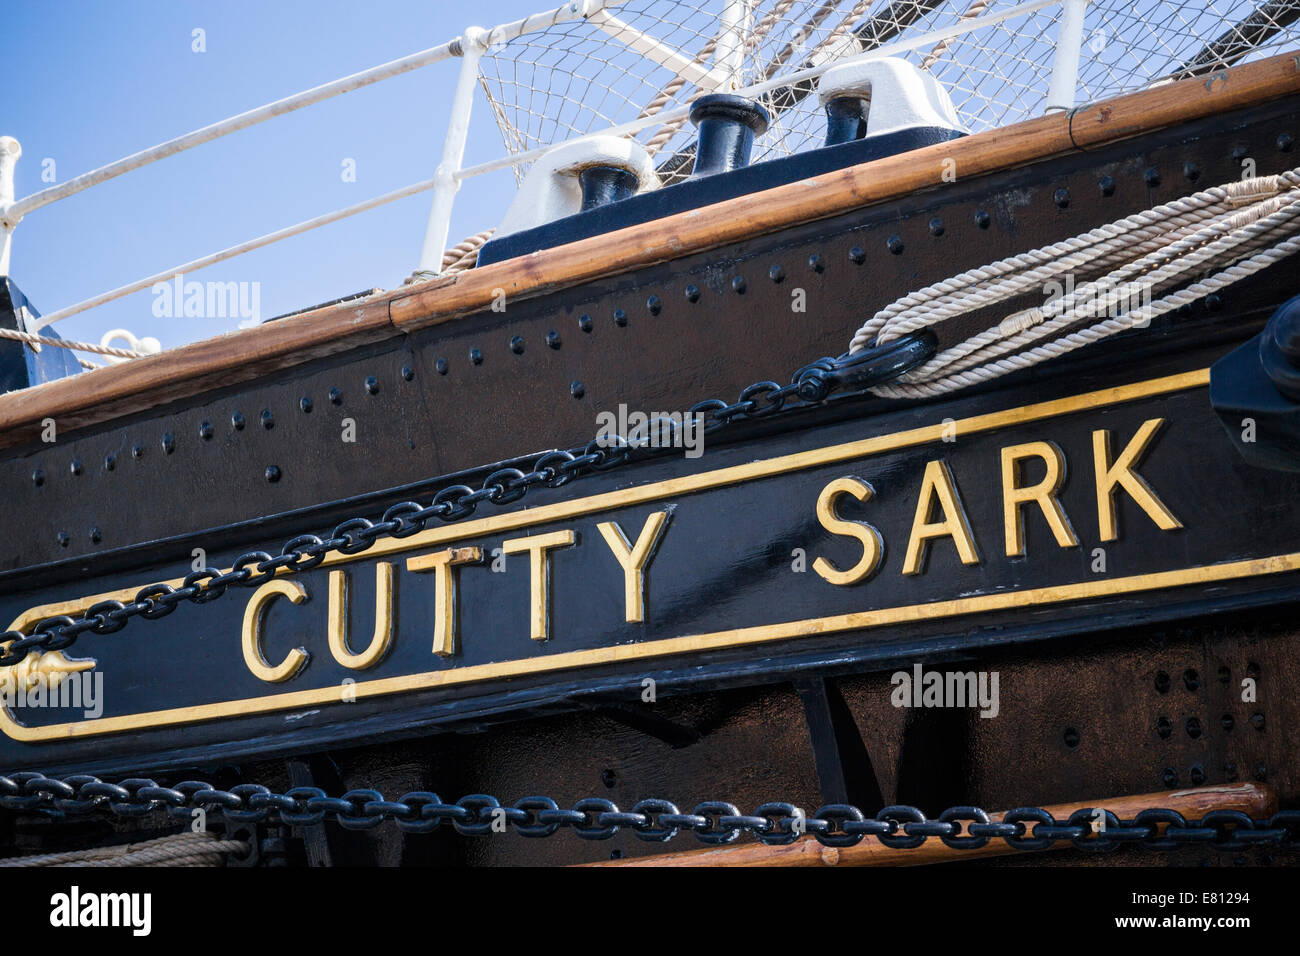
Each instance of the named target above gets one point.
<point>1255,389</point>
<point>846,119</point>
<point>859,370</point>
<point>602,185</point>
<point>727,126</point>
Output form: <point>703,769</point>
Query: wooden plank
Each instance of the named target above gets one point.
<point>241,356</point>
<point>1257,800</point>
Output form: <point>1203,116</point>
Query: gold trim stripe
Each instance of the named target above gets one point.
<point>692,643</point>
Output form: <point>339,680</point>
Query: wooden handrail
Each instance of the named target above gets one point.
<point>241,356</point>
<point>1257,800</point>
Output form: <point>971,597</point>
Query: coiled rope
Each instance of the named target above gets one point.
<point>1139,267</point>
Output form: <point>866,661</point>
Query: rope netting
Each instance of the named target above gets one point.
<point>580,76</point>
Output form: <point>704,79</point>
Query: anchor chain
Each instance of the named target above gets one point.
<point>811,385</point>
<point>713,822</point>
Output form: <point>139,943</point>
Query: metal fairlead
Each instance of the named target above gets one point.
<point>810,385</point>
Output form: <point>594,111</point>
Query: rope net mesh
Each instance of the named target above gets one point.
<point>580,76</point>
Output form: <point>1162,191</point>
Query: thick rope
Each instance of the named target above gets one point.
<point>32,338</point>
<point>182,849</point>
<point>973,11</point>
<point>459,258</point>
<point>1229,231</point>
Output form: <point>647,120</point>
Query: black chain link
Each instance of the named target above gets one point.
<point>714,823</point>
<point>809,386</point>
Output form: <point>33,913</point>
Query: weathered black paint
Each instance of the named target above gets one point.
<point>725,561</point>
<point>706,341</point>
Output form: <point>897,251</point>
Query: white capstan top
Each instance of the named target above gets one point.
<point>900,95</point>
<point>551,191</point>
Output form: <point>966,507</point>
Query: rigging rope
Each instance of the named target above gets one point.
<point>1212,239</point>
<point>31,338</point>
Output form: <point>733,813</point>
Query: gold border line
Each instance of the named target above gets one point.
<point>663,489</point>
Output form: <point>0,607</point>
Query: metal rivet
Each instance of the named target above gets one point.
<point>336,396</point>
<point>38,477</point>
<point>1226,722</point>
<point>267,419</point>
<point>1185,309</point>
<point>584,323</point>
<point>96,536</point>
<point>692,293</point>
<point>517,344</point>
<point>608,778</point>
<point>1191,679</point>
<point>1213,302</point>
<point>475,357</point>
<point>1106,185</point>
<point>1170,777</point>
<point>1162,682</point>
<point>237,420</point>
<point>1191,171</point>
<point>1230,771</point>
<point>776,274</point>
<point>936,226</point>
<point>1225,675</point>
<point>1164,728</point>
<point>1061,197</point>
<point>1261,772</point>
<point>857,255</point>
<point>1240,151</point>
<point>577,390</point>
<point>305,404</point>
<point>137,451</point>
<point>982,219</point>
<point>620,318</point>
<point>738,285</point>
<point>168,443</point>
<point>1198,775</point>
<point>654,305</point>
<point>895,244</point>
<point>1257,721</point>
<point>1194,727</point>
<point>1071,737</point>
<point>273,473</point>
<point>205,430</point>
<point>75,467</point>
<point>815,263</point>
<point>1152,176</point>
<point>553,339</point>
<point>63,539</point>
<point>110,462</point>
<point>372,385</point>
<point>408,373</point>
<point>441,366</point>
<point>1285,142</point>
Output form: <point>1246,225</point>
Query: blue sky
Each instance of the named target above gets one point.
<point>89,83</point>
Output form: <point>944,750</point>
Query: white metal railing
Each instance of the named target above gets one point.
<point>470,46</point>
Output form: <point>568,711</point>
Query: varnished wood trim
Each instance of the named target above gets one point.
<point>241,356</point>
<point>1257,800</point>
